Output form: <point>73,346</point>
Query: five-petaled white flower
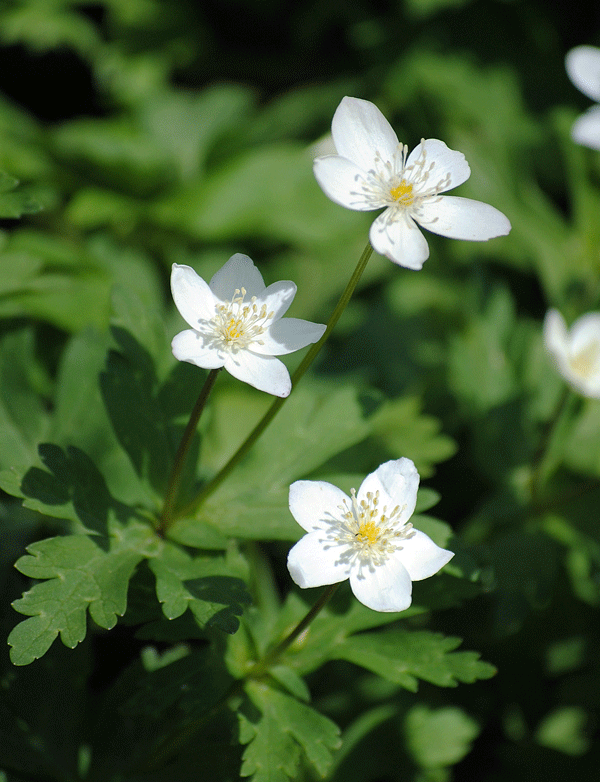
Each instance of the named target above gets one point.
<point>372,170</point>
<point>366,537</point>
<point>236,324</point>
<point>583,68</point>
<point>576,352</point>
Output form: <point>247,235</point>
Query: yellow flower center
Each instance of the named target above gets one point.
<point>403,193</point>
<point>585,362</point>
<point>237,324</point>
<point>368,532</point>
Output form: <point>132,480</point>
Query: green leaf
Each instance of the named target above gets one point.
<point>14,203</point>
<point>439,737</point>
<point>284,726</point>
<point>406,431</point>
<point>313,425</point>
<point>80,574</point>
<point>209,586</point>
<point>71,488</point>
<point>403,657</point>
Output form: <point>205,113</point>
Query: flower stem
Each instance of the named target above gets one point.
<point>174,743</point>
<point>277,404</point>
<point>543,461</point>
<point>262,666</point>
<point>172,493</point>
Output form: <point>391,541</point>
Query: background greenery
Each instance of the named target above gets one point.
<point>138,133</point>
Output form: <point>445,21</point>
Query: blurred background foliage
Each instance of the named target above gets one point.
<point>138,133</point>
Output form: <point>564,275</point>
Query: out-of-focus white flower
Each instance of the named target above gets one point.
<point>372,170</point>
<point>583,68</point>
<point>366,537</point>
<point>236,324</point>
<point>577,351</point>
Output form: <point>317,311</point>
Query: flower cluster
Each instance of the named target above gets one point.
<point>366,537</point>
<point>576,352</point>
<point>372,170</point>
<point>237,323</point>
<point>583,68</point>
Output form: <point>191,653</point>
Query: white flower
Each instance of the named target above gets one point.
<point>236,324</point>
<point>576,352</point>
<point>366,537</point>
<point>372,170</point>
<point>583,68</point>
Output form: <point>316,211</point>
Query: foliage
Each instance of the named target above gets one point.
<point>149,132</point>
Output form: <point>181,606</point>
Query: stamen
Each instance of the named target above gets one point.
<point>237,324</point>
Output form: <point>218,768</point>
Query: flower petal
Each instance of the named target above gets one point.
<point>556,336</point>
<point>189,346</point>
<point>361,133</point>
<point>398,482</point>
<point>586,329</point>
<point>192,295</point>
<point>311,564</point>
<point>278,297</point>
<point>462,218</point>
<point>313,503</point>
<point>263,372</point>
<point>386,587</point>
<point>288,335</point>
<point>586,128</point>
<point>421,556</point>
<point>239,272</point>
<point>340,179</point>
<point>447,165</point>
<point>583,68</point>
<point>399,239</point>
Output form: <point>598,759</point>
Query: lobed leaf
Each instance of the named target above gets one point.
<point>403,657</point>
<point>80,575</point>
<point>284,726</point>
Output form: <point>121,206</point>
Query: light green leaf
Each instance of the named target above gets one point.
<point>14,203</point>
<point>404,657</point>
<point>439,737</point>
<point>209,586</point>
<point>81,574</point>
<point>288,723</point>
<point>406,431</point>
<point>314,425</point>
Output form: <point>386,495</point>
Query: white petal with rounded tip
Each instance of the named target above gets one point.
<point>586,128</point>
<point>421,556</point>
<point>446,162</point>
<point>263,372</point>
<point>314,503</point>
<point>312,565</point>
<point>189,346</point>
<point>399,240</point>
<point>583,68</point>
<point>462,218</point>
<point>585,330</point>
<point>340,179</point>
<point>277,298</point>
<point>288,335</point>
<point>386,587</point>
<point>239,272</point>
<point>398,480</point>
<point>360,131</point>
<point>192,295</point>
<point>555,334</point>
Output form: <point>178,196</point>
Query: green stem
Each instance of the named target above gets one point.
<point>172,493</point>
<point>262,666</point>
<point>543,461</point>
<point>171,745</point>
<point>277,404</point>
